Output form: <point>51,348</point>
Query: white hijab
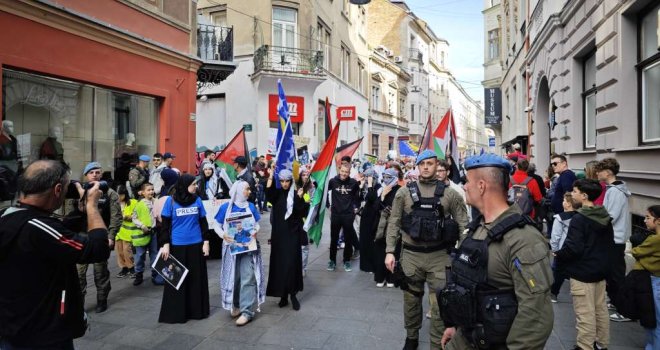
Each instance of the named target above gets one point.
<point>238,198</point>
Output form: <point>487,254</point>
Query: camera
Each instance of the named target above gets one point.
<point>72,192</point>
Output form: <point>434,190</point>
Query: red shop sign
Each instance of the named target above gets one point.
<point>346,113</point>
<point>296,108</point>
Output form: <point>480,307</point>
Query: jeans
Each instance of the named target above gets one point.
<point>141,256</point>
<point>338,222</point>
<point>261,196</point>
<point>653,335</point>
<point>64,345</point>
<point>245,284</point>
<point>559,277</point>
<point>305,256</point>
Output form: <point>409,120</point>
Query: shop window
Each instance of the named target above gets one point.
<point>649,69</point>
<point>589,100</point>
<point>48,118</point>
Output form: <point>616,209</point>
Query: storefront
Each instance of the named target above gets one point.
<point>79,90</point>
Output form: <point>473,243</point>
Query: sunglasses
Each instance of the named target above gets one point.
<point>554,163</point>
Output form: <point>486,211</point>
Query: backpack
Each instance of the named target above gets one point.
<point>520,195</point>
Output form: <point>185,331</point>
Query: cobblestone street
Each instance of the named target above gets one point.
<point>339,310</point>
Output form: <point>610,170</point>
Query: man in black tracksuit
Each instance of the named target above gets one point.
<point>345,203</point>
<point>41,306</point>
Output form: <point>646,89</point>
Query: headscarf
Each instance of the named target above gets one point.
<point>236,198</point>
<point>181,194</point>
<point>285,174</point>
<point>390,176</point>
<point>170,178</point>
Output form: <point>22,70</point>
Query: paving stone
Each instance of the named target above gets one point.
<point>137,337</point>
<point>180,341</point>
<point>295,339</point>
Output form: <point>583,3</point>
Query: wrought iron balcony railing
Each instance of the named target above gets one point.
<point>288,60</point>
<point>414,54</point>
<point>215,43</point>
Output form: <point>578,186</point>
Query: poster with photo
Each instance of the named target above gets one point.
<point>211,207</point>
<point>171,270</point>
<point>241,227</point>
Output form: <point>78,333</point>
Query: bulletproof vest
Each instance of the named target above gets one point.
<point>426,222</point>
<point>468,300</point>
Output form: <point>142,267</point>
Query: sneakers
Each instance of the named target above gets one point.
<point>390,285</point>
<point>131,272</point>
<point>138,279</point>
<point>331,266</point>
<point>553,298</point>
<point>101,306</point>
<point>123,273</point>
<point>598,347</point>
<point>242,321</point>
<point>380,285</point>
<point>347,267</point>
<point>617,317</point>
<point>411,344</point>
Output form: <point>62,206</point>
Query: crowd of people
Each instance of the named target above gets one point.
<point>485,231</point>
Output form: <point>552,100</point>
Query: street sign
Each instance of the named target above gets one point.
<point>346,113</point>
<point>247,127</point>
<point>491,142</point>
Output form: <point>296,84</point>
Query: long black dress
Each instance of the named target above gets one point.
<point>381,274</point>
<point>368,226</point>
<point>285,272</point>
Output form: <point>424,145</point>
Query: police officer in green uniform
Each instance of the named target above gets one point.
<point>497,294</point>
<point>110,210</point>
<point>427,216</point>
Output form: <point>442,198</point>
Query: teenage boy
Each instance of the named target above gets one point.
<point>616,204</point>
<point>559,233</point>
<point>585,256</point>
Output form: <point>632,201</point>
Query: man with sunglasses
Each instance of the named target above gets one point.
<point>564,184</point>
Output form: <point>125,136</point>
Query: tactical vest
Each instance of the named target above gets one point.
<point>485,313</point>
<point>427,222</point>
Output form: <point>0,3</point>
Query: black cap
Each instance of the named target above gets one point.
<point>240,160</point>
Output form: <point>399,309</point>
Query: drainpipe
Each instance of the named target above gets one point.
<point>528,82</point>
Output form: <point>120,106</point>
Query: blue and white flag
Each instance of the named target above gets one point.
<point>286,149</point>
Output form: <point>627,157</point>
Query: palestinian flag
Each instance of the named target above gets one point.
<point>427,137</point>
<point>319,174</point>
<point>347,150</point>
<point>446,143</point>
<point>236,147</point>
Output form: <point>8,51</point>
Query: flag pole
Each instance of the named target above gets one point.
<point>423,135</point>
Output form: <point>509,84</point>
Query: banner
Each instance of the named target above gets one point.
<point>493,106</point>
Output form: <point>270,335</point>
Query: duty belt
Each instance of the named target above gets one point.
<point>425,249</point>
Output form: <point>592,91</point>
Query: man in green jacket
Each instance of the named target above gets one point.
<point>423,259</point>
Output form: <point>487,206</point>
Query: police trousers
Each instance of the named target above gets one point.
<point>421,268</point>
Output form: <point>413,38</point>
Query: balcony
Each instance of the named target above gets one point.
<point>415,54</point>
<point>289,61</point>
<point>215,47</point>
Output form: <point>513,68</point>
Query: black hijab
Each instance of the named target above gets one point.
<point>181,194</point>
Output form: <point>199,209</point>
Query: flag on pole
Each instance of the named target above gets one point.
<point>286,149</point>
<point>225,160</point>
<point>427,137</point>
<point>347,150</point>
<point>405,150</point>
<point>328,118</point>
<point>446,143</point>
<point>319,174</point>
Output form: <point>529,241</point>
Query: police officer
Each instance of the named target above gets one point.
<point>430,215</point>
<point>110,210</point>
<point>504,264</point>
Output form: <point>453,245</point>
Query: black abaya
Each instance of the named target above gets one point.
<point>285,272</point>
<point>368,225</point>
<point>381,274</point>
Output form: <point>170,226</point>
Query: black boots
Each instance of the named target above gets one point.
<point>283,301</point>
<point>295,304</point>
<point>101,306</point>
<point>411,344</point>
<point>138,279</point>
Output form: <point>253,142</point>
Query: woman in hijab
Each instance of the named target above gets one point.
<point>369,220</point>
<point>385,199</point>
<point>208,182</point>
<point>241,278</point>
<point>285,273</point>
<point>183,235</point>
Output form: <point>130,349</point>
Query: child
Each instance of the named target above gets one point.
<point>559,232</point>
<point>145,220</point>
<point>123,240</point>
<point>586,256</point>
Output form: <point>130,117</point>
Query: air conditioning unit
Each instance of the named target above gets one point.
<point>398,59</point>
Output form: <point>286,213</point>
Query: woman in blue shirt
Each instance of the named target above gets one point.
<point>183,235</point>
<point>242,280</point>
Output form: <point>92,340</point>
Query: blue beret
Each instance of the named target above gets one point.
<point>145,158</point>
<point>487,160</point>
<point>91,166</point>
<point>426,154</point>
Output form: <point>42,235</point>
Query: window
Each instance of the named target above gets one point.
<point>345,64</point>
<point>323,43</point>
<point>284,27</point>
<point>390,143</point>
<point>493,44</point>
<point>57,119</point>
<point>361,77</point>
<point>391,102</point>
<point>589,100</point>
<point>374,144</point>
<point>442,58</point>
<point>412,112</point>
<point>649,70</point>
<point>402,106</point>
<point>375,98</point>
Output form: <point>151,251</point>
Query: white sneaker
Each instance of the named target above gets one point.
<point>390,285</point>
<point>380,285</point>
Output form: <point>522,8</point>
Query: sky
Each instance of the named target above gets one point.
<point>461,23</point>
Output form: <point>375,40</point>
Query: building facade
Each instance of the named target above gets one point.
<point>493,63</point>
<point>104,81</point>
<point>317,49</point>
